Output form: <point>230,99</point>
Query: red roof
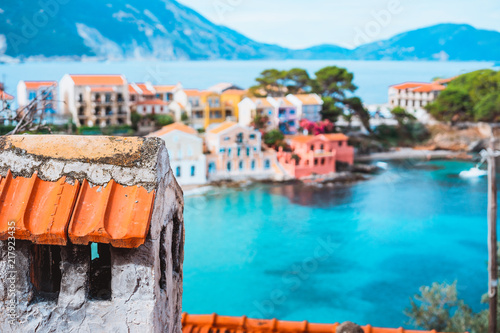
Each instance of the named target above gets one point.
<point>419,87</point>
<point>34,85</point>
<point>216,324</point>
<point>145,90</point>
<point>172,127</point>
<point>5,97</point>
<point>98,80</point>
<point>408,85</point>
<point>325,137</point>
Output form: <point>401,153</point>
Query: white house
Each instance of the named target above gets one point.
<point>185,150</point>
<point>250,107</point>
<point>44,93</point>
<point>309,106</point>
<point>95,100</point>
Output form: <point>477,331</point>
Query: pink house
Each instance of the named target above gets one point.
<point>316,154</point>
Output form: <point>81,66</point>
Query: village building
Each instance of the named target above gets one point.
<point>96,228</point>
<point>196,108</point>
<point>236,152</point>
<point>42,93</point>
<point>415,96</point>
<point>95,100</point>
<point>185,149</point>
<point>286,111</point>
<point>221,87</point>
<point>251,107</point>
<point>309,106</point>
<point>7,112</point>
<point>316,155</point>
<point>230,100</point>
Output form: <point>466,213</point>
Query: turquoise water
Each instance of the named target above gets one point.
<point>372,77</point>
<point>329,255</point>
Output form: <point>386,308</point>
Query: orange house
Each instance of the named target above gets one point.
<point>316,154</point>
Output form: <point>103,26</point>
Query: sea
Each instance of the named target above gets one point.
<point>333,254</point>
<point>372,77</point>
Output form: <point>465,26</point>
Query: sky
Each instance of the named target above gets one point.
<point>304,23</point>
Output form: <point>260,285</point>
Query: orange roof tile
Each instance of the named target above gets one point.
<point>173,127</point>
<point>145,90</point>
<point>33,85</point>
<point>284,102</point>
<point>335,137</point>
<point>222,127</point>
<point>408,85</point>
<point>262,102</point>
<point>164,89</point>
<point>309,99</point>
<point>302,138</point>
<point>429,87</point>
<point>214,324</point>
<point>39,209</point>
<point>193,92</point>
<point>132,89</point>
<point>5,97</point>
<point>98,80</point>
<point>41,212</point>
<point>443,81</point>
<point>113,214</point>
<point>155,101</point>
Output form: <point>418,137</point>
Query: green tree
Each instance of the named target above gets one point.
<point>297,81</point>
<point>402,116</point>
<point>273,137</point>
<point>163,120</point>
<point>354,106</point>
<point>334,82</point>
<point>452,105</point>
<point>438,308</point>
<point>331,110</point>
<point>271,82</point>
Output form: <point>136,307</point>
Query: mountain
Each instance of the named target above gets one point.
<point>168,30</point>
<point>116,29</point>
<point>439,42</point>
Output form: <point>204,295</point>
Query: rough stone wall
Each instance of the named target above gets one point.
<point>138,302</point>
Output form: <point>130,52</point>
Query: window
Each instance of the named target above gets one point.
<point>80,98</point>
<point>267,164</point>
<point>178,171</point>
<point>32,95</point>
<point>252,136</point>
<point>248,151</point>
<point>229,152</point>
<point>312,147</point>
<point>45,270</point>
<point>321,147</point>
<point>315,161</point>
<point>253,165</point>
<point>241,165</point>
<point>193,169</point>
<point>81,111</point>
<point>322,161</point>
<point>227,138</point>
<point>108,98</point>
<point>100,272</point>
<point>228,166</point>
<point>239,151</point>
<point>211,167</point>
<point>222,150</point>
<point>239,138</point>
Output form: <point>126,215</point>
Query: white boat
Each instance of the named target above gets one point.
<point>382,165</point>
<point>474,172</point>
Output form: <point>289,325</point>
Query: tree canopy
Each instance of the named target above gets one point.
<point>473,96</point>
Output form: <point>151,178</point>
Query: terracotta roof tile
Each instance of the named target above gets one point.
<point>173,127</point>
<point>102,89</point>
<point>193,92</point>
<point>214,324</point>
<point>335,136</point>
<point>39,209</point>
<point>37,84</point>
<point>113,214</point>
<point>408,85</point>
<point>41,212</point>
<point>222,127</point>
<point>145,90</point>
<point>429,87</point>
<point>5,97</point>
<point>98,80</point>
<point>234,92</point>
<point>165,89</point>
<point>309,99</point>
<point>262,102</point>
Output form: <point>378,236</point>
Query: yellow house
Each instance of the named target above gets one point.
<point>214,112</point>
<point>230,100</point>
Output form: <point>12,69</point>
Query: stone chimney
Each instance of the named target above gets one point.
<point>91,235</point>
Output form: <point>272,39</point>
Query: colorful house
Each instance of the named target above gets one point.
<point>185,149</point>
<point>286,111</point>
<point>316,155</point>
<point>44,93</point>
<point>309,106</point>
<point>95,100</point>
<point>236,153</point>
<point>196,109</point>
<point>230,100</point>
<point>214,112</point>
<point>6,113</point>
<point>250,107</point>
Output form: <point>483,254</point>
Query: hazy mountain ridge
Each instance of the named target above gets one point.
<point>168,30</point>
